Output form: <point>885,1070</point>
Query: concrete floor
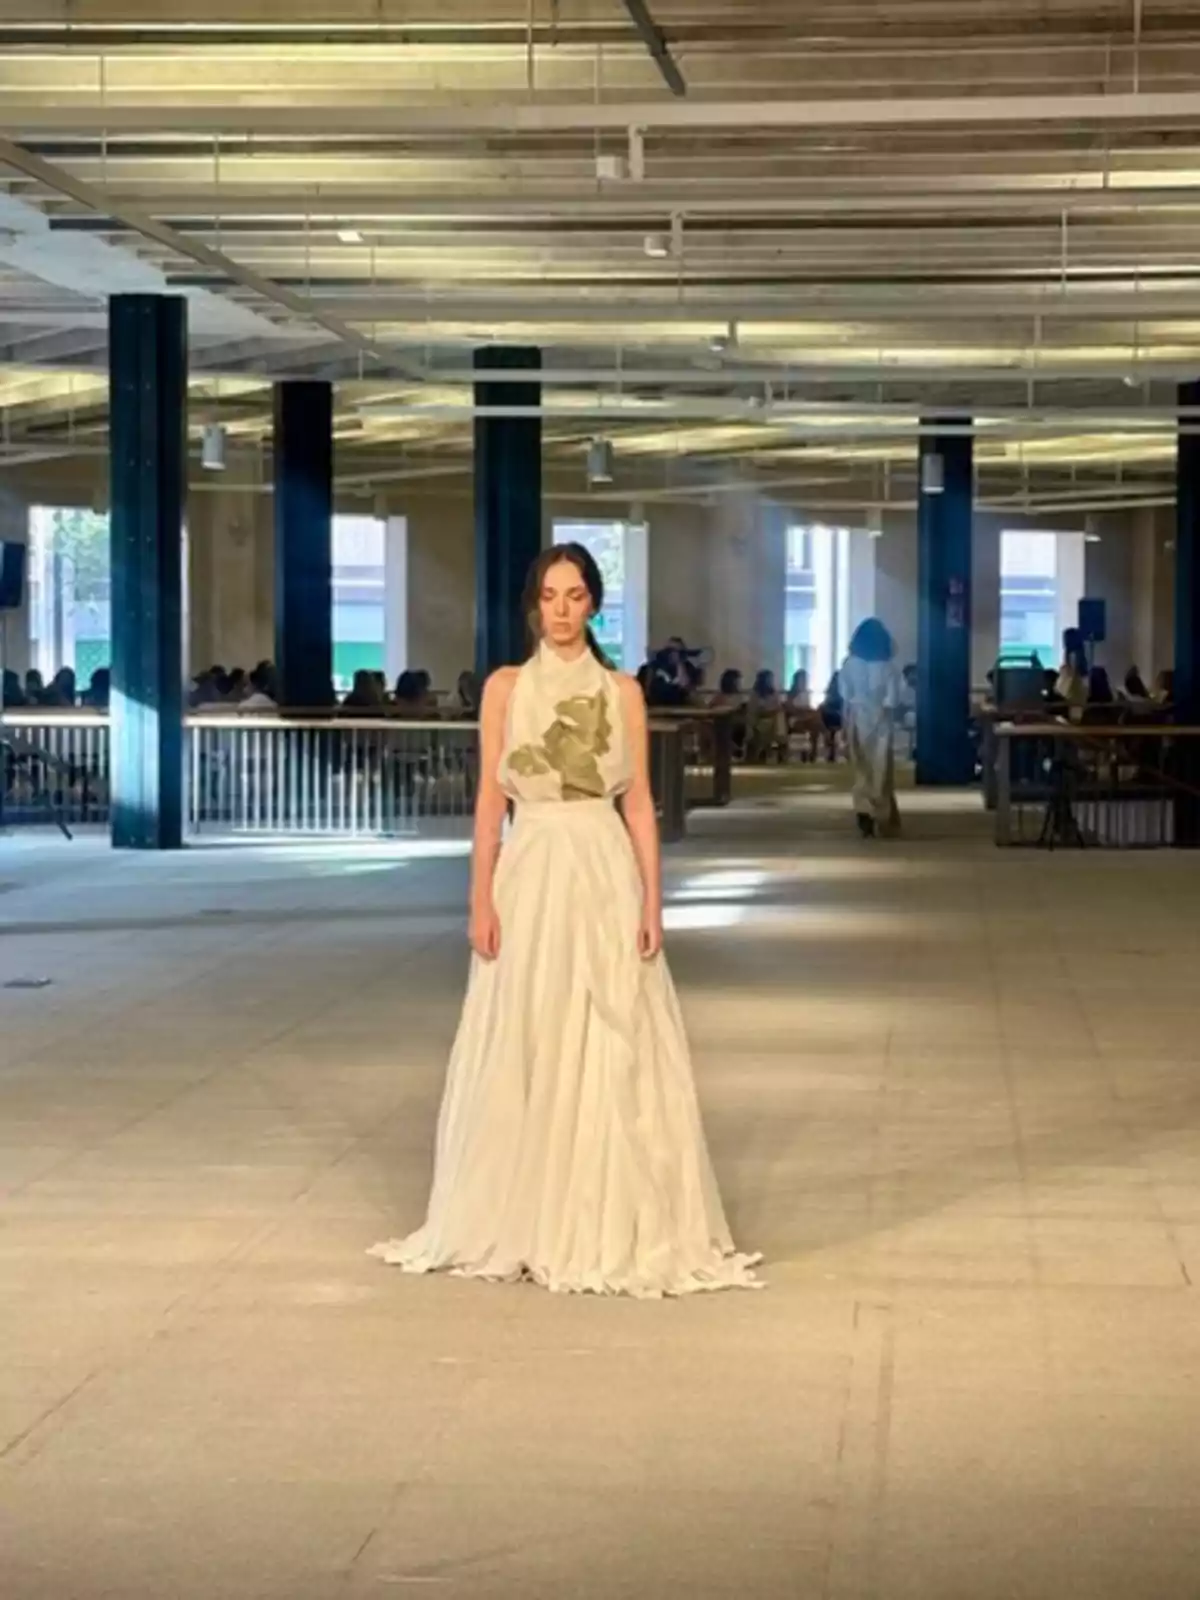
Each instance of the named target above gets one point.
<point>952,1093</point>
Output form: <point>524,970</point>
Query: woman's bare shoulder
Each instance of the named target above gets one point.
<point>501,680</point>
<point>497,691</point>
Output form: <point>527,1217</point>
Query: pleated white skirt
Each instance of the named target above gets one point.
<point>569,1147</point>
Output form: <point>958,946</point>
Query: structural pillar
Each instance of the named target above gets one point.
<point>944,497</point>
<point>304,543</point>
<point>1187,618</point>
<point>508,504</point>
<point>147,358</point>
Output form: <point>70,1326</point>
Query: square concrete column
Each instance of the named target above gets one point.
<point>944,522</point>
<point>304,543</point>
<point>147,447</point>
<point>508,502</point>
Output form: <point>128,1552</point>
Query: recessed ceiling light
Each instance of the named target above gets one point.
<point>350,236</point>
<point>657,246</point>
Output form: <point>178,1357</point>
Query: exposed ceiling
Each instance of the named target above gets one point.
<point>756,242</point>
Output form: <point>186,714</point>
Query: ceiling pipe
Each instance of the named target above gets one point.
<point>365,205</point>
<point>395,115</point>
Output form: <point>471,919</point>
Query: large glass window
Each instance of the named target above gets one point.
<point>619,552</point>
<point>359,602</point>
<point>1041,582</point>
<point>817,602</point>
<point>70,591</point>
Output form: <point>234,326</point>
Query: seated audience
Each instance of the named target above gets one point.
<point>766,719</point>
<point>364,698</point>
<point>467,697</point>
<point>1134,687</point>
<point>832,710</point>
<point>99,690</point>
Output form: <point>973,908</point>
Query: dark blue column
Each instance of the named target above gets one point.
<point>944,497</point>
<point>304,543</point>
<point>508,505</point>
<point>1187,617</point>
<point>147,364</point>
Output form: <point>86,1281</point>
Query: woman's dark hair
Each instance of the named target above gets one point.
<point>872,642</point>
<point>1134,685</point>
<point>1099,687</point>
<point>584,562</point>
<point>731,681</point>
<point>764,683</point>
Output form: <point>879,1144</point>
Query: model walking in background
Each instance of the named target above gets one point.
<point>569,1147</point>
<point>870,687</point>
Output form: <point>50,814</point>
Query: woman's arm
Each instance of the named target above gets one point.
<point>491,806</point>
<point>637,808</point>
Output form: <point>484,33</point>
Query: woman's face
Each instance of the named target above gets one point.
<point>564,605</point>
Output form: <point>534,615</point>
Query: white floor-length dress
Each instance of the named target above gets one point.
<point>570,1149</point>
<point>871,695</point>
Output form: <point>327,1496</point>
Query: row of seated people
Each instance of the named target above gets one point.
<point>413,696</point>
<point>62,693</point>
<point>767,725</point>
<point>1086,693</point>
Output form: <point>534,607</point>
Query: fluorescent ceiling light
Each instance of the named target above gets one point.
<point>600,461</point>
<point>350,236</point>
<point>212,449</point>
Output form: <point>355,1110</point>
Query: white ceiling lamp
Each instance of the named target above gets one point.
<point>657,246</point>
<point>611,168</point>
<point>212,448</point>
<point>599,462</point>
<point>933,473</point>
<point>350,236</point>
<point>637,154</point>
<point>721,343</point>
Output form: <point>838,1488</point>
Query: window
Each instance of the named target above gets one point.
<point>1041,582</point>
<point>619,550</point>
<point>70,591</point>
<point>359,584</point>
<point>817,602</point>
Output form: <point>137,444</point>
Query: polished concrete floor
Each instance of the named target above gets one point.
<point>952,1093</point>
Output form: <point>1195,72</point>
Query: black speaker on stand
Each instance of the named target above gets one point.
<point>1093,625</point>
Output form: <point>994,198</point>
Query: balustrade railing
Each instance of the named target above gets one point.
<point>271,775</point>
<point>1127,787</point>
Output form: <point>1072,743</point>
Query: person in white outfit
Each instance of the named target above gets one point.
<point>570,1150</point>
<point>871,695</point>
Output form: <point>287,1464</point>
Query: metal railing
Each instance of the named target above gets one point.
<point>54,765</point>
<point>1125,787</point>
<point>271,775</point>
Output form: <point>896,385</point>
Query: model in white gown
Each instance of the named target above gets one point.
<point>871,695</point>
<point>570,1149</point>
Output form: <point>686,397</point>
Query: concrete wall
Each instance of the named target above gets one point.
<point>1108,576</point>
<point>1152,589</point>
<point>14,527</point>
<point>896,581</point>
<point>231,578</point>
<point>441,578</point>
